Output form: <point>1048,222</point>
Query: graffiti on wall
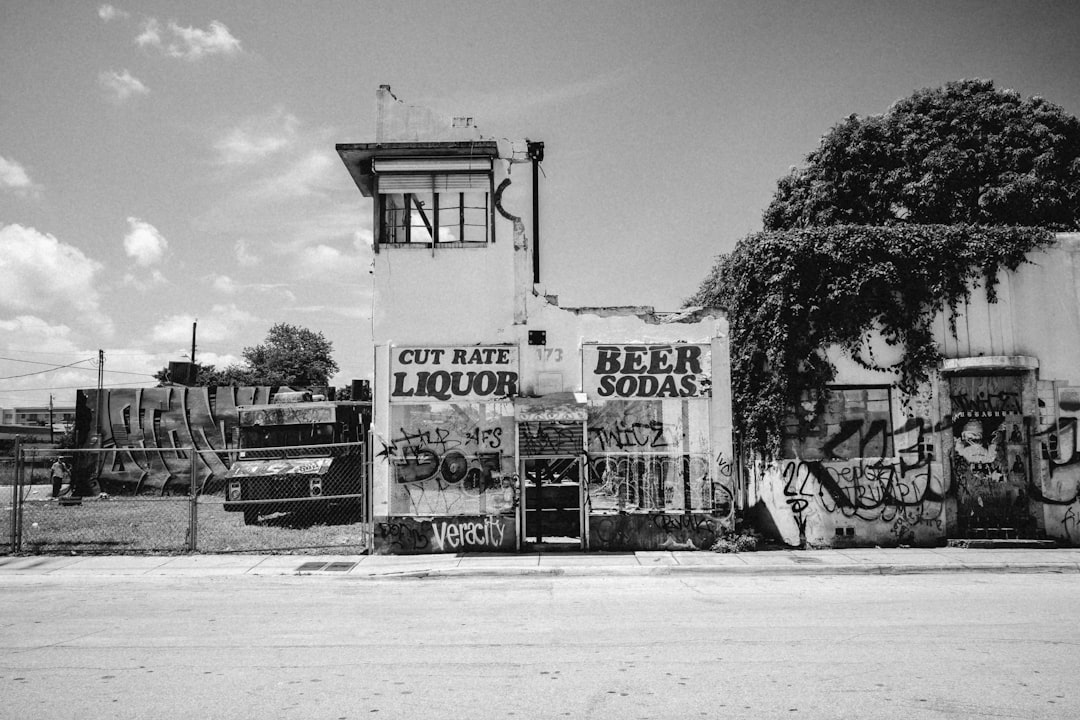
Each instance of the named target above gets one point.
<point>856,472</point>
<point>144,429</point>
<point>1059,459</point>
<point>654,455</point>
<point>654,531</point>
<point>657,482</point>
<point>990,456</point>
<point>877,490</point>
<point>450,459</point>
<point>446,535</point>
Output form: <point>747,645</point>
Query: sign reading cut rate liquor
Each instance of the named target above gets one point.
<point>647,371</point>
<point>453,373</point>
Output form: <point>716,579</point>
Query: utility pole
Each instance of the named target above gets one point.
<point>50,418</point>
<point>100,389</point>
<point>193,326</point>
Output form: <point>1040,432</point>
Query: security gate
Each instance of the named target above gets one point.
<point>551,475</point>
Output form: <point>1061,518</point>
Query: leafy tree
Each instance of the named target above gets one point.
<point>210,376</point>
<point>962,153</point>
<point>791,294</point>
<point>894,218</point>
<point>290,355</point>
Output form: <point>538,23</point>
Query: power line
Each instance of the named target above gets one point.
<point>66,387</point>
<point>59,367</point>
<point>42,372</point>
<point>35,362</point>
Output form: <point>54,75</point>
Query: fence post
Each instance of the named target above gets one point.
<point>369,498</point>
<point>16,497</point>
<point>193,521</point>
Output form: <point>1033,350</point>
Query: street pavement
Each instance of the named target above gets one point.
<point>855,561</point>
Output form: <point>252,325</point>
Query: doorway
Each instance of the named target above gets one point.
<point>552,501</point>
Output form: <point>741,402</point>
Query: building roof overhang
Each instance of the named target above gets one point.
<point>989,364</point>
<point>359,157</point>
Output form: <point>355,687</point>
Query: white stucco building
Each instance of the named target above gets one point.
<point>502,420</point>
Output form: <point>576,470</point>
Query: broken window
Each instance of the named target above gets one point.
<point>856,422</point>
<point>430,202</point>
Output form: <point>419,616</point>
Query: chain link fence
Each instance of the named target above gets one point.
<point>136,501</point>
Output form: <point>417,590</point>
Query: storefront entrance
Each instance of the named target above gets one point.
<point>552,500</point>
<point>991,457</point>
<point>551,474</point>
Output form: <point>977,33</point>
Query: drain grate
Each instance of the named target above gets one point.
<point>311,567</point>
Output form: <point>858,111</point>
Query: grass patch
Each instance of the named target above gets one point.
<point>127,525</point>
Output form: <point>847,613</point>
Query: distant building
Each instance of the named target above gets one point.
<point>502,420</point>
<point>39,415</point>
<point>31,423</point>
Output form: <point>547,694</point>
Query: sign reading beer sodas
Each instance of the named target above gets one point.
<point>647,371</point>
<point>453,373</point>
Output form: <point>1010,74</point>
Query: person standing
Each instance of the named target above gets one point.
<point>57,471</point>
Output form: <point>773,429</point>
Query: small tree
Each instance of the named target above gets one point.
<point>290,355</point>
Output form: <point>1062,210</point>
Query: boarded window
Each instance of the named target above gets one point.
<point>856,423</point>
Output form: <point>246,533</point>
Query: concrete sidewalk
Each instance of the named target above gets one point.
<point>860,561</point>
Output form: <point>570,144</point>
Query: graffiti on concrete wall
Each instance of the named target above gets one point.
<point>486,533</point>
<point>450,459</point>
<point>654,455</point>
<point>672,483</point>
<point>858,474</point>
<point>887,491</point>
<point>147,431</point>
<point>654,531</point>
<point>1059,458</point>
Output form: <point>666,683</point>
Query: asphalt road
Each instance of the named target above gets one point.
<point>966,645</point>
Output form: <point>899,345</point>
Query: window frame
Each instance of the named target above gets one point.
<point>794,445</point>
<point>437,169</point>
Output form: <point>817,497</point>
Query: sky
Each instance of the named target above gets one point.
<point>164,164</point>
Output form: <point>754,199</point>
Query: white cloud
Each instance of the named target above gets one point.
<point>42,274</point>
<point>308,176</point>
<point>122,85</point>
<point>320,259</point>
<point>13,176</point>
<point>244,256</point>
<point>108,12</point>
<point>257,138</point>
<point>224,284</point>
<point>145,282</point>
<point>189,43</point>
<point>144,243</point>
<point>150,35</point>
<point>35,332</point>
<point>221,325</point>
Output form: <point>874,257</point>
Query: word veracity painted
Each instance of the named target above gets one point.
<point>489,532</point>
<point>454,373</point>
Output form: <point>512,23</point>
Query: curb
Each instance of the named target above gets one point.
<point>774,571</point>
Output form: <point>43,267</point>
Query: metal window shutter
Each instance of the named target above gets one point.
<point>429,166</point>
<point>433,182</point>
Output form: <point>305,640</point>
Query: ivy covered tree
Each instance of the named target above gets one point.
<point>962,153</point>
<point>895,218</point>
<point>289,356</point>
<point>791,294</point>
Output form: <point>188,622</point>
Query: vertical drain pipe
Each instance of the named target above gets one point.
<point>536,154</point>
